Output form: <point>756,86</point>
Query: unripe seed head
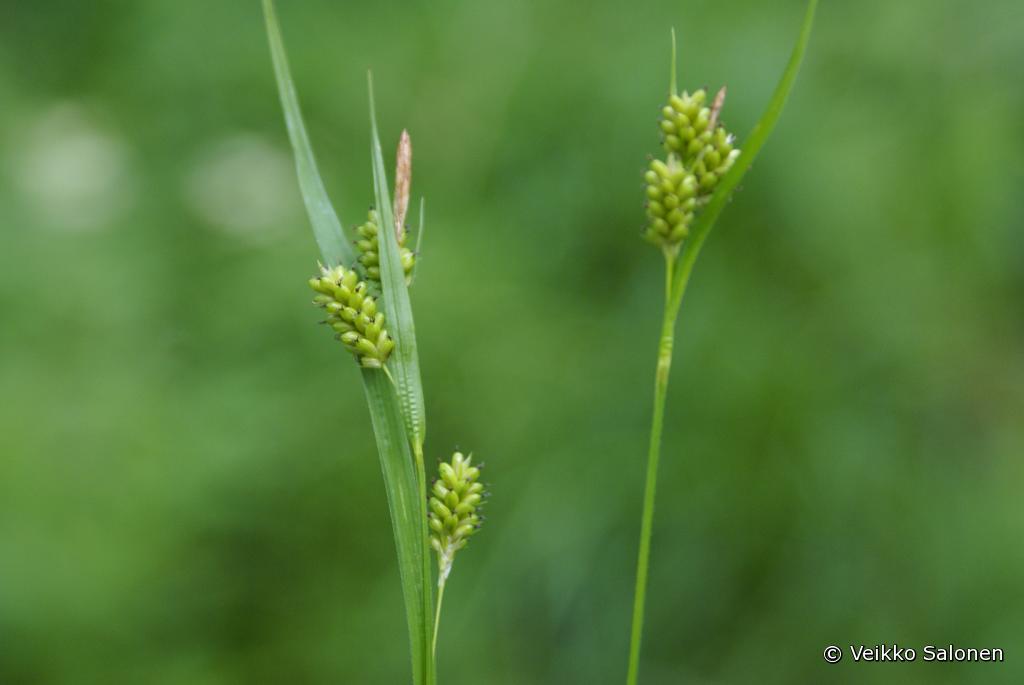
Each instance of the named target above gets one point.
<point>699,152</point>
<point>455,500</point>
<point>352,313</point>
<point>369,248</point>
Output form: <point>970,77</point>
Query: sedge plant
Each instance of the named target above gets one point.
<point>362,286</point>
<point>687,187</point>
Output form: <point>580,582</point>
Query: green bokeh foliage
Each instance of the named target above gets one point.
<point>189,491</point>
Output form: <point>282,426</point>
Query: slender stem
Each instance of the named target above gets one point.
<point>442,581</point>
<point>672,302</point>
<point>430,670</point>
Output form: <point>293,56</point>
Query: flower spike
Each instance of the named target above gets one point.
<point>699,151</point>
<point>454,502</point>
<point>353,315</point>
<point>369,249</point>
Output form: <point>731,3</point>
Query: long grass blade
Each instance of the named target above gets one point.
<point>404,363</point>
<point>751,146</point>
<point>403,481</point>
<point>326,227</point>
<point>404,496</point>
<point>673,89</point>
<point>405,368</point>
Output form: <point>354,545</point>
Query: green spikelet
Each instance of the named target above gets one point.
<point>353,315</point>
<point>369,249</point>
<point>454,500</point>
<point>671,201</point>
<point>699,152</point>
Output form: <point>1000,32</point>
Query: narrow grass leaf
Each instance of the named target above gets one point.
<point>751,146</point>
<point>404,363</point>
<point>672,88</point>
<point>419,241</point>
<point>402,480</point>
<point>326,227</point>
<point>404,495</point>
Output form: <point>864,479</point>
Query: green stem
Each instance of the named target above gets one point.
<point>430,671</point>
<point>675,289</point>
<point>437,615</point>
<point>673,300</point>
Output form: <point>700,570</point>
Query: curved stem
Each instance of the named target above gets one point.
<point>673,300</point>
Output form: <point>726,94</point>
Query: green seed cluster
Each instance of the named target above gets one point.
<point>455,498</point>
<point>369,247</point>
<point>699,153</point>
<point>353,315</point>
<point>671,201</point>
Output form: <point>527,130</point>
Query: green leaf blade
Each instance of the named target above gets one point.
<point>751,147</point>
<point>419,241</point>
<point>334,248</point>
<point>403,487</point>
<point>404,361</point>
<point>403,481</point>
<point>404,367</point>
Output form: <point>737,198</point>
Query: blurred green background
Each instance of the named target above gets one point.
<point>189,491</point>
